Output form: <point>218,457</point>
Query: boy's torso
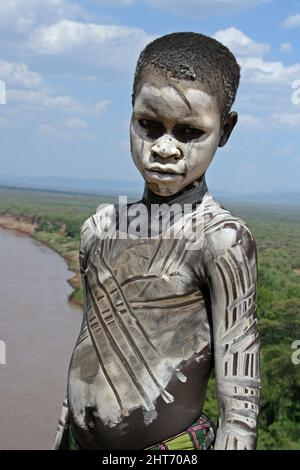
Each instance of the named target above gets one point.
<point>141,364</point>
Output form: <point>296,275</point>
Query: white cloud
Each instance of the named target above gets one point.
<point>265,85</point>
<point>240,44</point>
<point>205,7</point>
<point>256,70</point>
<point>100,45</point>
<point>21,15</point>
<point>2,92</point>
<point>286,47</point>
<point>98,108</point>
<point>39,100</point>
<point>287,119</point>
<point>292,21</point>
<point>19,74</point>
<point>66,35</point>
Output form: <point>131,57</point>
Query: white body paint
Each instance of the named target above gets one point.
<point>109,267</point>
<point>176,332</point>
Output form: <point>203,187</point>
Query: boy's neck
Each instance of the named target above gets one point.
<point>191,194</point>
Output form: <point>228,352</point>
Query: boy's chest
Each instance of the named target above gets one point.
<point>146,289</point>
<point>147,326</point>
<point>151,272</point>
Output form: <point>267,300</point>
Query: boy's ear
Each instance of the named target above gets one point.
<point>228,124</point>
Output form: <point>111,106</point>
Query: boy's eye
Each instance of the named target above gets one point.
<point>185,134</point>
<point>147,124</point>
<point>154,129</point>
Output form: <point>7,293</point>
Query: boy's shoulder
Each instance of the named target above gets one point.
<point>94,227</point>
<point>98,222</point>
<point>223,230</point>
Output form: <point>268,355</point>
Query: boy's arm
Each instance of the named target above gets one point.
<point>61,436</point>
<point>231,270</point>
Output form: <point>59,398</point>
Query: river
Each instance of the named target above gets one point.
<point>39,328</point>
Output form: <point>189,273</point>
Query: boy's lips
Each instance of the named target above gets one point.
<point>164,171</point>
<point>164,177</point>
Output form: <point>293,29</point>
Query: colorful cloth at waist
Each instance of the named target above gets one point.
<point>198,436</point>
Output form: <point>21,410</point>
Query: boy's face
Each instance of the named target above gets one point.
<point>174,132</point>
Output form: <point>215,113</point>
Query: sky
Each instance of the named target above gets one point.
<point>66,70</point>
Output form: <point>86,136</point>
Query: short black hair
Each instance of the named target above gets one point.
<point>194,57</point>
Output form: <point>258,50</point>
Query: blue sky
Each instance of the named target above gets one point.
<point>68,69</point>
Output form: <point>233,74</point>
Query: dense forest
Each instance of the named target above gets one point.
<point>57,218</point>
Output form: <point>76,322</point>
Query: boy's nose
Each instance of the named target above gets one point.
<point>165,147</point>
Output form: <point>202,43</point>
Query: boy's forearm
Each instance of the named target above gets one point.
<point>62,427</point>
<point>238,417</point>
<point>229,439</point>
<point>233,278</point>
<point>238,381</point>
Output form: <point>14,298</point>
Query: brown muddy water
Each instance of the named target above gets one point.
<point>39,327</point>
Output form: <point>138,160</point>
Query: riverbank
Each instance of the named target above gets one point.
<point>20,223</point>
<point>59,242</point>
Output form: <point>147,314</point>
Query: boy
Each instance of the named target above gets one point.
<point>159,312</point>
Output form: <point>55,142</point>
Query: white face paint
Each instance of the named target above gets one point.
<point>174,135</point>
